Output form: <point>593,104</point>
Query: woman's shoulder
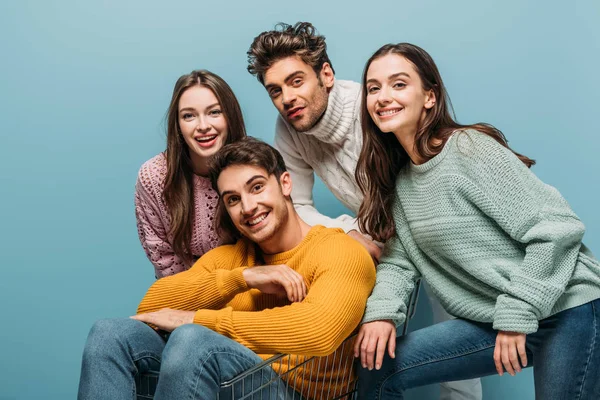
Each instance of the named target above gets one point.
<point>153,172</point>
<point>474,146</point>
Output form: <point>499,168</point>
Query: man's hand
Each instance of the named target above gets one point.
<point>372,340</point>
<point>367,243</point>
<point>167,319</point>
<point>510,346</point>
<point>276,279</point>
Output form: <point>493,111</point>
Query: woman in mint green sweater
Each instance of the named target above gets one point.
<point>501,249</point>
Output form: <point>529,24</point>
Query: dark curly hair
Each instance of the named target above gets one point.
<point>287,41</point>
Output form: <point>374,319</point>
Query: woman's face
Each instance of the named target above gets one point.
<point>395,99</point>
<point>202,124</point>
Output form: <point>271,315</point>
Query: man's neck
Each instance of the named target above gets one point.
<point>289,236</point>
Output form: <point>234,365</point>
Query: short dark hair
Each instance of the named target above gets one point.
<point>284,41</point>
<point>247,151</point>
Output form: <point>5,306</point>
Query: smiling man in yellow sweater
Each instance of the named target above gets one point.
<point>283,287</point>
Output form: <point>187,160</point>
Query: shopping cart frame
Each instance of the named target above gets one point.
<point>146,383</point>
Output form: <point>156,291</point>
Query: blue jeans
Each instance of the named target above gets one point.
<point>192,363</point>
<point>469,389</point>
<point>565,354</point>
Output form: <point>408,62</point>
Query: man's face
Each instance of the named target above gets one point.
<point>297,92</point>
<point>255,201</point>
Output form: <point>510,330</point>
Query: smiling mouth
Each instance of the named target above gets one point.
<point>387,113</point>
<point>257,220</point>
<point>205,139</point>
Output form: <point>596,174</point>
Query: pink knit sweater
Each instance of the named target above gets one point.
<point>153,220</point>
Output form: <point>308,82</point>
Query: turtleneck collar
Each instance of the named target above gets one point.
<point>337,122</point>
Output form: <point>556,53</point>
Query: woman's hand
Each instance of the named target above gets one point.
<point>510,346</point>
<point>367,243</point>
<point>372,340</point>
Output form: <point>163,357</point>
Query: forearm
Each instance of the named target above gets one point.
<point>295,329</point>
<point>194,289</point>
<point>536,286</point>
<point>153,237</point>
<point>390,297</point>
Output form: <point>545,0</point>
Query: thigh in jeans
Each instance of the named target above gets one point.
<point>566,354</point>
<point>448,351</point>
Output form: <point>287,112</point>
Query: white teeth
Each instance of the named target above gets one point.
<point>205,138</point>
<point>388,112</point>
<point>257,220</point>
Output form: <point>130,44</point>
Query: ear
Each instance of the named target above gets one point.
<point>430,99</point>
<point>285,181</point>
<point>326,75</point>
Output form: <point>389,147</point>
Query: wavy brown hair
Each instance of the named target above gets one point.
<point>382,156</point>
<point>178,192</point>
<point>285,41</point>
<point>247,151</point>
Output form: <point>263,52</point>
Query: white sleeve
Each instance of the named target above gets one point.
<point>303,181</point>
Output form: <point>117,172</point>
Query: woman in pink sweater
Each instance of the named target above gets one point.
<point>174,201</point>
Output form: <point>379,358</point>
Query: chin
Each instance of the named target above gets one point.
<point>262,236</point>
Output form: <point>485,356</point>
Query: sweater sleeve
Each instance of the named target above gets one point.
<point>212,282</point>
<point>303,180</point>
<point>396,277</point>
<point>533,214</point>
<point>151,230</point>
<point>343,277</point>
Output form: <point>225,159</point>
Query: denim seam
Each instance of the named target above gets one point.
<point>145,354</point>
<point>590,351</point>
<point>430,361</point>
<point>203,362</point>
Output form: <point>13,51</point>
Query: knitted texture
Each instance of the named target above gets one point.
<point>494,243</point>
<point>153,221</point>
<point>339,274</point>
<point>330,149</point>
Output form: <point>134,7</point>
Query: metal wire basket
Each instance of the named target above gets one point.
<point>290,377</point>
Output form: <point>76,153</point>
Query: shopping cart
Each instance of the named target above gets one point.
<point>291,377</point>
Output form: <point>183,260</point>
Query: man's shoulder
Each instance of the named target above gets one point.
<point>229,254</point>
<point>335,242</point>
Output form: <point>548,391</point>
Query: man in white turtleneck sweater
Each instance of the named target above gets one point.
<point>319,131</point>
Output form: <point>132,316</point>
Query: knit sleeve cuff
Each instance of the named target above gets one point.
<point>383,310</point>
<point>219,321</point>
<point>231,282</point>
<point>513,315</point>
<point>207,318</point>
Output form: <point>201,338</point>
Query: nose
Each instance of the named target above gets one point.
<point>203,124</point>
<point>288,96</point>
<point>248,205</point>
<point>384,97</point>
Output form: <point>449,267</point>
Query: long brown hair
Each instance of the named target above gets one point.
<point>178,191</point>
<point>382,156</point>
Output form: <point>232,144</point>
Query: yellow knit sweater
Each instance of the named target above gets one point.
<point>339,274</point>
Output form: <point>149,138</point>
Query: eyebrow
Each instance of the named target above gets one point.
<point>248,182</point>
<point>287,78</point>
<point>391,77</point>
<point>193,109</point>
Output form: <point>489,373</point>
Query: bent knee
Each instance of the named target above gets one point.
<point>192,335</point>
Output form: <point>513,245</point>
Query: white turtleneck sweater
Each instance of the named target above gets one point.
<point>330,149</point>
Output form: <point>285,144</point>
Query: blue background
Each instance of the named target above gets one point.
<point>84,87</point>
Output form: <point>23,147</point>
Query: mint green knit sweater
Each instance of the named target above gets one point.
<point>494,243</point>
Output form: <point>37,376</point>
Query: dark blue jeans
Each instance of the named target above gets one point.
<point>192,363</point>
<point>564,353</point>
